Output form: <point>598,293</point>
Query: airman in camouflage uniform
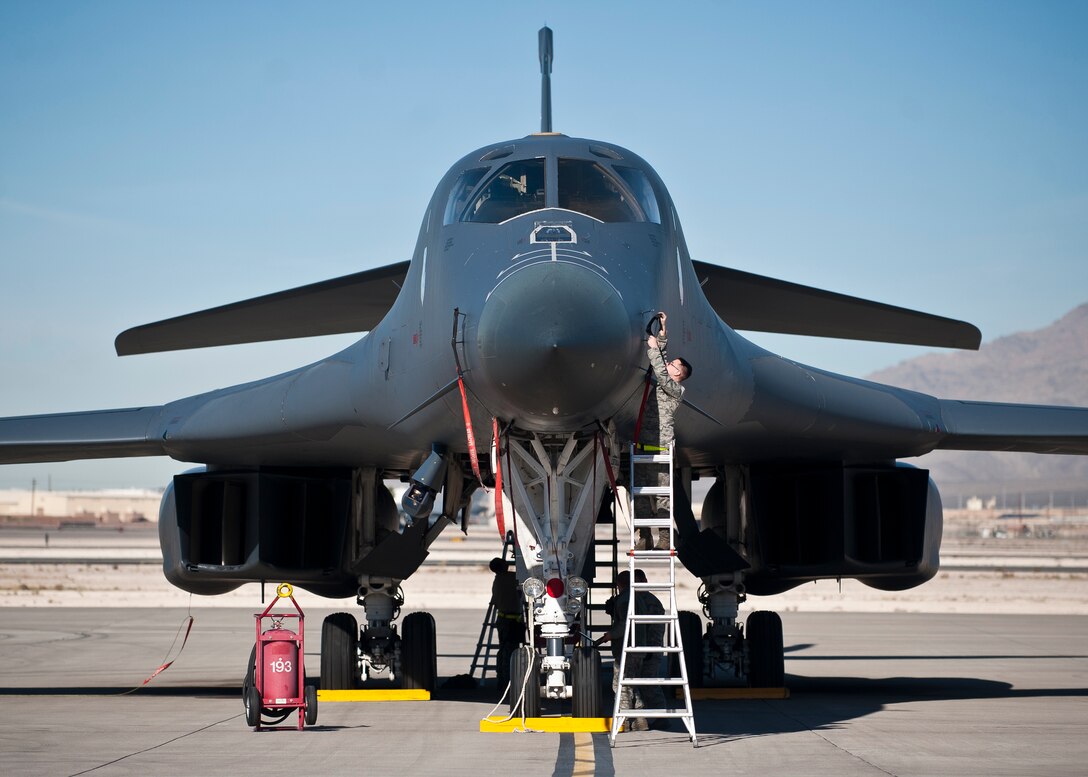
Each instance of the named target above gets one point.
<point>657,430</point>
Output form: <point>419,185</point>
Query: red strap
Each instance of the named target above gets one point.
<point>500,519</point>
<point>468,431</point>
<point>596,437</point>
<point>513,506</point>
<point>608,469</point>
<point>641,410</point>
<point>166,664</point>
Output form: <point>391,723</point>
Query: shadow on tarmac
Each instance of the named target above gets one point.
<point>825,703</point>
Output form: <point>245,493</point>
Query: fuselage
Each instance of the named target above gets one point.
<point>554,252</point>
<point>538,264</point>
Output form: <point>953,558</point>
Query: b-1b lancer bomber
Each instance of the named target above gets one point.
<point>509,352</point>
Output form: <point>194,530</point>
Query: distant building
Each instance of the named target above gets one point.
<point>125,505</point>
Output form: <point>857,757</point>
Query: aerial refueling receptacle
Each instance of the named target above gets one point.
<point>544,38</point>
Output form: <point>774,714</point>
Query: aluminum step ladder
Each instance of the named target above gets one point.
<point>603,581</point>
<point>486,656</point>
<point>660,566</point>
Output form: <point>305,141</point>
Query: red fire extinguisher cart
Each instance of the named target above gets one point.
<point>277,669</point>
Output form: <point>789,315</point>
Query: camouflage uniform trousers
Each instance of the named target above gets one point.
<point>653,506</point>
<point>511,633</point>
<point>640,697</point>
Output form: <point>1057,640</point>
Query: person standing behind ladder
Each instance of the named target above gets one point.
<point>657,430</point>
<point>639,665</point>
<point>507,601</point>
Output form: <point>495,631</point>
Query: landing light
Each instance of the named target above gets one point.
<point>533,588</point>
<point>576,587</point>
<point>555,588</point>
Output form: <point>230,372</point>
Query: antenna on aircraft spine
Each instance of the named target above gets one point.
<point>545,41</point>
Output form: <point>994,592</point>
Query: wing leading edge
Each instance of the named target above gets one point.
<point>97,434</point>
<point>351,303</point>
<point>761,304</point>
<point>997,426</point>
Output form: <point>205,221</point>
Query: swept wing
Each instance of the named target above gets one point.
<point>757,303</point>
<point>91,435</point>
<point>351,303</point>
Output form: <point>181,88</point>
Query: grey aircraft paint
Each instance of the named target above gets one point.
<point>538,263</point>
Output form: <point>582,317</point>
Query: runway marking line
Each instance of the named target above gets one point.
<point>375,694</point>
<point>584,764</point>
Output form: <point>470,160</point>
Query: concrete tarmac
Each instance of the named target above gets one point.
<point>872,694</point>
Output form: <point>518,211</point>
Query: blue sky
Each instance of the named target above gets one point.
<point>159,158</point>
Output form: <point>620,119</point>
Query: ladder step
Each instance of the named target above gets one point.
<point>652,491</point>
<point>605,543</point>
<point>648,523</point>
<point>653,555</point>
<point>651,458</point>
<point>685,713</point>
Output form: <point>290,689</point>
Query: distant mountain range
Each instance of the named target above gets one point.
<point>1048,366</point>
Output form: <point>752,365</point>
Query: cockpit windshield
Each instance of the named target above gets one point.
<point>609,193</point>
<point>517,188</point>
<point>460,192</point>
<point>587,187</point>
<point>643,192</point>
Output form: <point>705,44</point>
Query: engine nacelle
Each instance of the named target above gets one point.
<point>880,525</point>
<point>219,529</point>
<point>930,561</point>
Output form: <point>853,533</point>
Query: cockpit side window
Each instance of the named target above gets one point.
<point>640,186</point>
<point>517,188</point>
<point>587,187</point>
<point>460,192</point>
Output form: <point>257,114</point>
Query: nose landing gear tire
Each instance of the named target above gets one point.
<point>524,672</point>
<point>585,676</point>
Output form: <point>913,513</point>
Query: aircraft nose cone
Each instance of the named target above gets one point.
<point>555,343</point>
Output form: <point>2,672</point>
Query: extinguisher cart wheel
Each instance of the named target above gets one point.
<point>311,705</point>
<point>253,707</point>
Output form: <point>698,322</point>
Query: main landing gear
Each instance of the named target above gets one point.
<point>729,653</point>
<point>350,657</point>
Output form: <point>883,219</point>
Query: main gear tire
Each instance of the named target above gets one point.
<point>339,651</point>
<point>691,634</point>
<point>766,656</point>
<point>418,655</point>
